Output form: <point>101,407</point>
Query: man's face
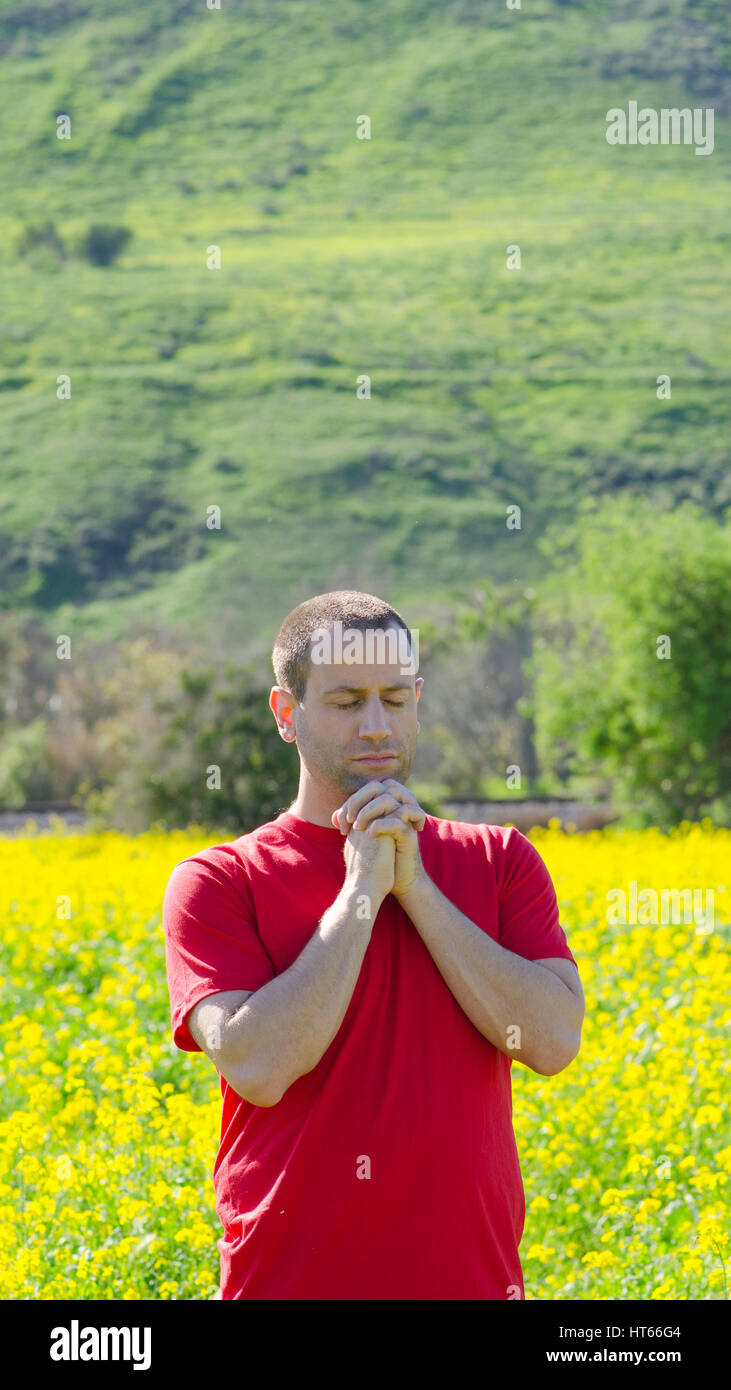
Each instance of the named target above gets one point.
<point>357,722</point>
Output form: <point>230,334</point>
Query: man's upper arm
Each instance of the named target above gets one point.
<point>212,943</point>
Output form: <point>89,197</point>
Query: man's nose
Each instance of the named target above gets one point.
<point>374,723</point>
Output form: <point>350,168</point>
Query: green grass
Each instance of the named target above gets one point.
<point>343,257</point>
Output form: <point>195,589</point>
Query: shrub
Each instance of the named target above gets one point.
<point>101,244</point>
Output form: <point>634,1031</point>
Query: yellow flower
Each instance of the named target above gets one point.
<point>159,1192</point>
<point>92,1146</point>
<point>598,1259</point>
<point>708,1115</point>
<point>540,1252</point>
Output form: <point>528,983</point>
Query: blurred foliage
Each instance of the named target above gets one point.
<point>101,244</point>
<point>24,772</point>
<point>42,236</point>
<point>491,389</point>
<point>340,257</point>
<point>210,756</point>
<point>564,684</point>
<point>606,695</point>
<point>129,731</point>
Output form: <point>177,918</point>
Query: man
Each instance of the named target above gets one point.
<point>362,975</point>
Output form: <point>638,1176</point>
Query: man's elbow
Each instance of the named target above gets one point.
<point>262,1099</point>
<point>550,1061</point>
<point>251,1088</point>
<point>266,1100</point>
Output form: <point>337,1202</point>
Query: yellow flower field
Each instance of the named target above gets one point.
<point>108,1134</point>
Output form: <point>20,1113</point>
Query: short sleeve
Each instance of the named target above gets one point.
<point>211,938</point>
<point>527,905</point>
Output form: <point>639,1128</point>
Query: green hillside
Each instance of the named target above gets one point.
<point>341,257</point>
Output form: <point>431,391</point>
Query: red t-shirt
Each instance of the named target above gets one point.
<point>391,1170</point>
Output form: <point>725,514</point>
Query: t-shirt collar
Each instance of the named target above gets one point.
<point>327,834</point>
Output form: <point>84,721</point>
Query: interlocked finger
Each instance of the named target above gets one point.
<point>402,793</point>
<point>390,825</point>
<point>407,817</point>
<point>380,806</point>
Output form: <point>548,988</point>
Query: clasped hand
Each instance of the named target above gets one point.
<point>388,808</point>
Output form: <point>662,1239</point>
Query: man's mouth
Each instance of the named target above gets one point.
<point>376,757</point>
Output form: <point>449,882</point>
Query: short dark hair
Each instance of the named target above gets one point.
<point>291,654</point>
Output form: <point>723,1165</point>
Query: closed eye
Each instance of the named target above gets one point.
<point>397,704</point>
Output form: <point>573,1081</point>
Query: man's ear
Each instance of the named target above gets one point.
<point>418,684</point>
<point>282,704</point>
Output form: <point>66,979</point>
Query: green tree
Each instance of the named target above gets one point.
<point>24,774</point>
<point>632,655</point>
<point>203,720</point>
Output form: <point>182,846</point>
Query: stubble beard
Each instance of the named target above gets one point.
<point>326,766</point>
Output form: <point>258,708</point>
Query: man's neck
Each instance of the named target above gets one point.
<point>316,806</point>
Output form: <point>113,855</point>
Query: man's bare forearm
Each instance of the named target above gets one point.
<point>284,1029</point>
<point>525,1010</point>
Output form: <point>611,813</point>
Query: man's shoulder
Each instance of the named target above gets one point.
<point>507,853</point>
<point>482,833</point>
<point>226,853</point>
<point>475,848</point>
<point>224,869</point>
<point>218,856</point>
